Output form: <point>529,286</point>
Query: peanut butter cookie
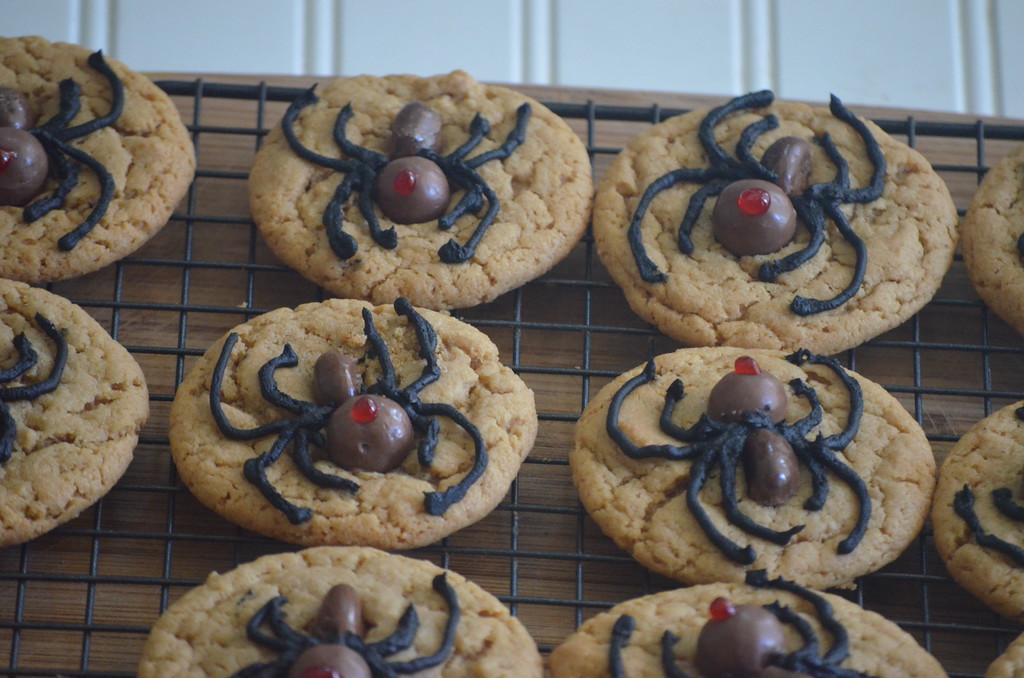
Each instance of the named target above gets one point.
<point>72,401</point>
<point>709,462</point>
<point>93,159</point>
<point>343,423</point>
<point>774,225</point>
<point>352,611</point>
<point>441,190</point>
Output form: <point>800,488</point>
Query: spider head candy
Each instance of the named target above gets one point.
<point>739,640</point>
<point>23,166</point>
<point>336,647</point>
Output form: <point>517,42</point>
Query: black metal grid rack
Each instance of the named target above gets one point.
<point>79,601</point>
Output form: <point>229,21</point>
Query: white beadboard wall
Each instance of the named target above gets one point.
<point>963,56</point>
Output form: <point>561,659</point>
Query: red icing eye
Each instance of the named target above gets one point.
<point>746,365</point>
<point>405,182</point>
<point>6,158</point>
<point>320,672</point>
<point>754,201</point>
<point>721,609</point>
<point>364,411</point>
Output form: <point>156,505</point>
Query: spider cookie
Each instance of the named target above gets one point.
<point>440,190</point>
<point>72,401</point>
<point>708,462</point>
<point>342,423</point>
<point>338,611</point>
<point>774,225</point>
<point>766,628</point>
<point>977,517</point>
<point>93,159</point>
<point>993,239</point>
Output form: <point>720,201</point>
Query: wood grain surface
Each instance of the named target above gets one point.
<point>80,600</point>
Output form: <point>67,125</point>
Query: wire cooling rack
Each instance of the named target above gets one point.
<point>80,601</point>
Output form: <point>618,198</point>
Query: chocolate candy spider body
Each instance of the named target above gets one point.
<point>363,167</point>
<point>310,419</point>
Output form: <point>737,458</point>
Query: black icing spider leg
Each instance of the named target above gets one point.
<point>844,437</point>
<point>622,440</point>
<point>310,419</point>
<point>648,269</point>
<point>963,504</point>
<point>27,359</point>
<point>813,218</point>
<point>55,136</point>
<point>437,503</point>
<point>699,470</point>
<point>342,243</point>
<point>1003,499</point>
<point>693,210</point>
<point>399,642</point>
<point>717,155</point>
<point>477,190</point>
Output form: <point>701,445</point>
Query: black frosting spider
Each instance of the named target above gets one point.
<point>817,204</point>
<point>362,167</point>
<point>291,643</point>
<point>310,419</point>
<point>808,659</point>
<point>55,136</point>
<point>1002,498</point>
<point>27,359</point>
<point>709,444</point>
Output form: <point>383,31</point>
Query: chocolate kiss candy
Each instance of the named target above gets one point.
<point>339,613</point>
<point>412,190</point>
<point>753,217</point>
<point>417,126</point>
<point>15,110</point>
<point>790,159</point>
<point>369,433</point>
<point>741,645</point>
<point>739,394</point>
<point>23,166</point>
<point>321,661</point>
<point>336,378</point>
<point>773,473</point>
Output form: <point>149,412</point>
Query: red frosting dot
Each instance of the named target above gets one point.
<point>746,365</point>
<point>405,182</point>
<point>321,672</point>
<point>754,201</point>
<point>364,411</point>
<point>721,609</point>
<point>6,158</point>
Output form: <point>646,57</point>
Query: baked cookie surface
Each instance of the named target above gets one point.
<point>64,448</point>
<point>657,198</point>
<point>540,186</point>
<point>143,149</point>
<point>678,496</point>
<point>204,633</point>
<point>876,646</point>
<point>991,233</point>
<point>985,463</point>
<point>1010,664</point>
<point>480,416</point>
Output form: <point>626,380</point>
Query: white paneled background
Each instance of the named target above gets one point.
<point>962,56</point>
